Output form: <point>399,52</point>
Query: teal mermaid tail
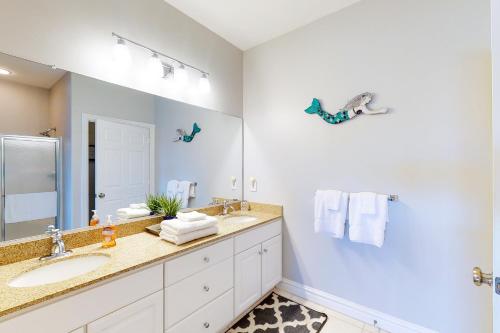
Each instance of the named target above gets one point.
<point>196,130</point>
<point>337,118</point>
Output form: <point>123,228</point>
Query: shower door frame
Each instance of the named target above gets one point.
<point>58,179</point>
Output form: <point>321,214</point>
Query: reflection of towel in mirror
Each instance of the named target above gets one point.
<point>172,188</point>
<point>184,238</point>
<point>183,192</point>
<point>131,213</point>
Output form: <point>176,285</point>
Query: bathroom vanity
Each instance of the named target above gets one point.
<point>151,286</point>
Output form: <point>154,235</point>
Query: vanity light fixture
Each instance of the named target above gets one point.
<point>4,71</point>
<point>121,53</point>
<point>181,76</point>
<point>157,67</point>
<point>204,83</point>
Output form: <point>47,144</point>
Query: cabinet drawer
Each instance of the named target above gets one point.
<point>190,294</point>
<point>145,316</point>
<point>212,318</point>
<point>256,236</point>
<point>182,267</point>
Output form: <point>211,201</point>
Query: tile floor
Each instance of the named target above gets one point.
<point>337,322</point>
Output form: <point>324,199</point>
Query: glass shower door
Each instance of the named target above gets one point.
<point>30,183</point>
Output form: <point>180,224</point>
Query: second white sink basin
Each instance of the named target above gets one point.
<point>240,219</point>
<point>59,270</point>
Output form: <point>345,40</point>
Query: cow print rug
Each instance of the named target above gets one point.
<point>277,314</point>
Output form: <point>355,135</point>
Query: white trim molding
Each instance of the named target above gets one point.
<point>348,308</point>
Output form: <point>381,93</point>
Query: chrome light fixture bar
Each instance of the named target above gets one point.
<point>153,51</point>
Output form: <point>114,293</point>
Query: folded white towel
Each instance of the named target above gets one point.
<point>330,216</point>
<point>191,216</point>
<point>178,227</point>
<point>131,213</point>
<point>184,238</point>
<point>138,206</point>
<point>368,228</point>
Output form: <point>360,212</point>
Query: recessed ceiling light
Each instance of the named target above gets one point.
<point>3,71</point>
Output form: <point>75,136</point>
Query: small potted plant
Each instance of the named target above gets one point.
<point>153,203</point>
<point>169,206</point>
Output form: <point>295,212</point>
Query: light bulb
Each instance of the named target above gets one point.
<point>204,83</point>
<point>121,54</point>
<point>155,67</point>
<point>181,76</point>
<point>4,71</point>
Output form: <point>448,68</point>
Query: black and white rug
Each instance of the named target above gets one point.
<point>277,314</point>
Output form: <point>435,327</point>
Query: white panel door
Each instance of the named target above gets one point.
<point>145,316</point>
<point>271,263</point>
<point>122,165</point>
<point>247,278</point>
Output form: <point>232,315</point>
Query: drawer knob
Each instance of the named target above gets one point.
<point>206,288</point>
<point>206,259</point>
<point>206,325</point>
<point>260,252</point>
<point>265,250</point>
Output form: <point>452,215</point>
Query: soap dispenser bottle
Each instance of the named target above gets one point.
<point>95,219</point>
<point>109,233</point>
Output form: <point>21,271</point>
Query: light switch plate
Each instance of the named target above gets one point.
<point>253,184</point>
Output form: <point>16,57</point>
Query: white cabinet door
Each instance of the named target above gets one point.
<point>271,263</point>
<point>145,316</point>
<point>79,330</point>
<point>247,278</point>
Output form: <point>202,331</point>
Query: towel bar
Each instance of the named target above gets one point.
<point>393,197</point>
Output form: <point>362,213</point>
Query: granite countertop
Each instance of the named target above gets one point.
<point>130,253</point>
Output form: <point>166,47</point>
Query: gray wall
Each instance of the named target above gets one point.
<point>76,36</point>
<point>100,98</point>
<point>429,62</point>
<point>25,109</point>
<point>210,159</point>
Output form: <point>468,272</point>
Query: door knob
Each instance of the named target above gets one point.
<point>479,278</point>
<point>102,195</point>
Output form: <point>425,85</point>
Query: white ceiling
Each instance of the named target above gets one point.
<point>28,72</point>
<point>247,23</point>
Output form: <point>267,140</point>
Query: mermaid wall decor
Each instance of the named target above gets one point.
<point>183,136</point>
<point>357,105</point>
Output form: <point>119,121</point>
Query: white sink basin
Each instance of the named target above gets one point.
<point>240,219</point>
<point>59,270</point>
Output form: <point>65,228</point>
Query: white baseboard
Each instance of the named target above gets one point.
<point>359,312</point>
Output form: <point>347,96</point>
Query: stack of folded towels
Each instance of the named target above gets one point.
<point>187,227</point>
<point>133,211</point>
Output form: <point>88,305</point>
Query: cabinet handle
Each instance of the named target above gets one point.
<point>206,325</point>
<point>260,252</point>
<point>265,250</point>
<point>206,259</point>
<point>206,288</point>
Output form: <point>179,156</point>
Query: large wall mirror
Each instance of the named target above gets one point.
<point>70,144</point>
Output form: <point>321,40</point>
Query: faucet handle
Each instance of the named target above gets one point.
<point>51,230</point>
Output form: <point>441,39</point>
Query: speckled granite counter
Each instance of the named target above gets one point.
<point>131,252</point>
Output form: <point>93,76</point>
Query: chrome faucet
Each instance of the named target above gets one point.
<point>58,247</point>
<point>226,207</point>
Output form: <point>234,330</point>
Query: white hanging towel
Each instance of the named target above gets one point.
<point>183,192</point>
<point>172,188</point>
<point>330,209</point>
<point>368,215</point>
